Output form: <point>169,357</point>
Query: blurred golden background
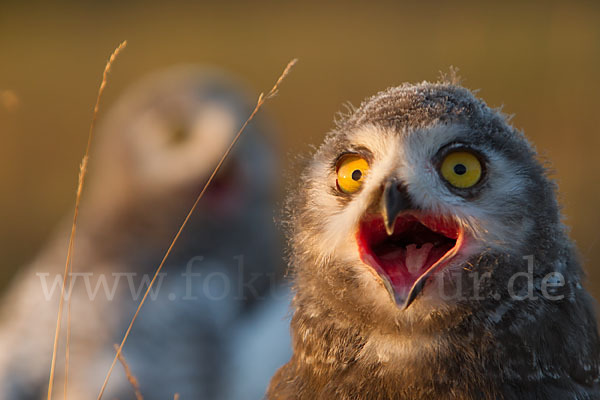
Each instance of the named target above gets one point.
<point>541,60</point>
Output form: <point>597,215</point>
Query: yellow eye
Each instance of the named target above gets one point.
<point>461,169</point>
<point>351,171</point>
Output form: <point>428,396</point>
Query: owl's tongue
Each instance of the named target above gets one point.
<point>415,245</point>
<point>414,257</point>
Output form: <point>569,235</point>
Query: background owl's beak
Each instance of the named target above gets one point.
<point>394,200</point>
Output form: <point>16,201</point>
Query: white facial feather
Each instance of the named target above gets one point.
<point>343,220</point>
<point>410,157</point>
<point>482,216</point>
<point>162,163</point>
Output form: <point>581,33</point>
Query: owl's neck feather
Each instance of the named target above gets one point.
<point>336,358</point>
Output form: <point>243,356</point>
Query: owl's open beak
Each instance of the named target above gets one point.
<point>406,246</point>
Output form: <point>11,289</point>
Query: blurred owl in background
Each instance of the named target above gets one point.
<point>154,152</point>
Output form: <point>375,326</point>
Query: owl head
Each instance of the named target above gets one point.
<point>164,136</point>
<point>154,151</point>
<point>423,203</point>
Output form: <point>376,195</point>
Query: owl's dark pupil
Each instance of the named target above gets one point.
<point>460,169</point>
<point>356,174</point>
<point>178,136</point>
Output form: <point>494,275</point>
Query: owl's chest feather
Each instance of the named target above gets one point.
<point>333,362</point>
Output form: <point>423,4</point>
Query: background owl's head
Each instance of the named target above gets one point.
<point>155,150</point>
<point>421,203</point>
<point>165,135</point>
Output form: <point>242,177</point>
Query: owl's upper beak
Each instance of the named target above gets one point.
<point>394,200</point>
<point>404,245</point>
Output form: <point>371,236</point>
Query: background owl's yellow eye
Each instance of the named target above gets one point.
<point>461,169</point>
<point>351,171</point>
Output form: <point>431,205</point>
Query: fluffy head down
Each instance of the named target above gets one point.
<point>166,134</point>
<point>512,214</point>
<point>155,150</point>
<point>480,309</point>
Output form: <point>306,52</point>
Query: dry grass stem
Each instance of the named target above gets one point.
<point>261,100</point>
<point>81,180</point>
<point>130,377</point>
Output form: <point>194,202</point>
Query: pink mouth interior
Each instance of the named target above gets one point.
<point>416,244</point>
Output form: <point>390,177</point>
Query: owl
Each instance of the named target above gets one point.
<point>430,261</point>
<point>155,150</point>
